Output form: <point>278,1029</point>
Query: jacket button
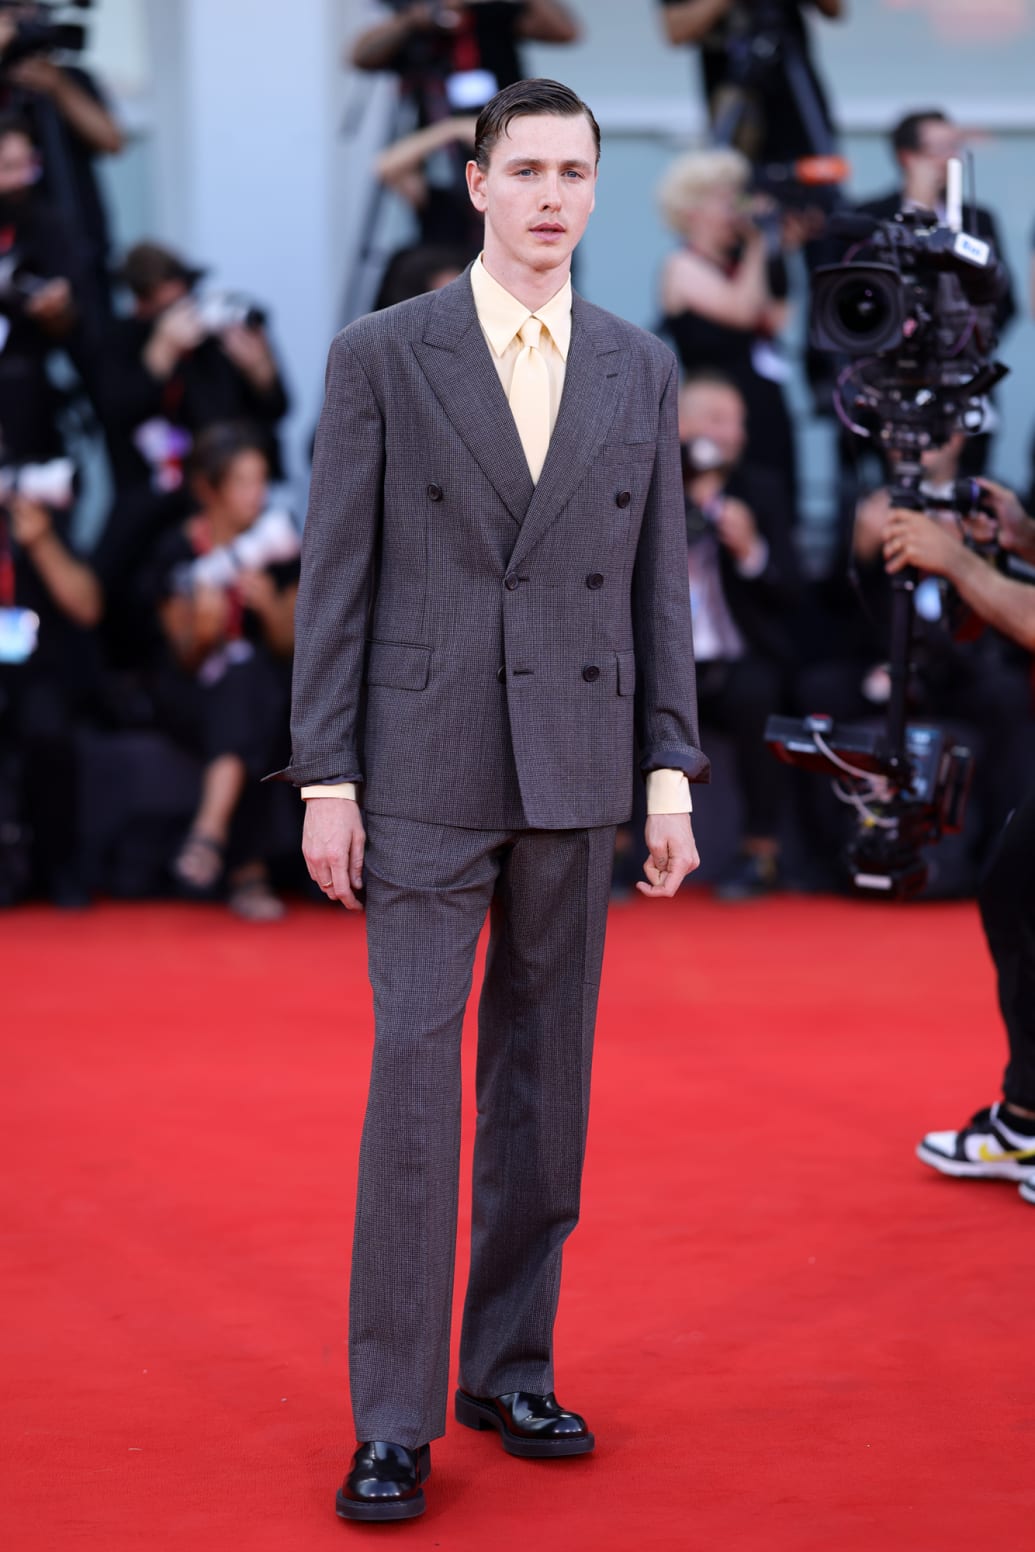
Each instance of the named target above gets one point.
<point>511,581</point>
<point>434,492</point>
<point>590,673</point>
<point>594,581</point>
<point>501,675</point>
<point>623,498</point>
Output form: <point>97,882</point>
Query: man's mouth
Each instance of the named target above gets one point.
<point>548,229</point>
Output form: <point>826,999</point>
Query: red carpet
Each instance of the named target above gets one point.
<point>786,1332</point>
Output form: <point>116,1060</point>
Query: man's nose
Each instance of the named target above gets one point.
<point>550,197</point>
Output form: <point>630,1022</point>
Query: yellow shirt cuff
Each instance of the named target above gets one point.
<point>668,792</point>
<point>340,789</point>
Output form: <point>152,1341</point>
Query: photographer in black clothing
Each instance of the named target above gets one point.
<point>430,44</point>
<point>742,45</point>
<point>74,125</point>
<point>177,365</point>
<point>37,306</point>
<point>174,367</point>
<point>46,687</point>
<point>999,1141</point>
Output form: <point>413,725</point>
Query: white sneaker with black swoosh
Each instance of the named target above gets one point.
<point>987,1148</point>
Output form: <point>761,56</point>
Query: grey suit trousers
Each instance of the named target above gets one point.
<point>429,888</point>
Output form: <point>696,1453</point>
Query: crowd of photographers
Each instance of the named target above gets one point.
<point>174,632</point>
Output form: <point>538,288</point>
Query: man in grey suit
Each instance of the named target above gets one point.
<point>494,591</point>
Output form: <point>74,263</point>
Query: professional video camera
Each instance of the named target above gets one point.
<point>913,309</point>
<point>40,29</point>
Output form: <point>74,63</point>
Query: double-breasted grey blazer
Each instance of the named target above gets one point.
<point>475,649</point>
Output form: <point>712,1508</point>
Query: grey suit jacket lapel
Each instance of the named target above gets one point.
<point>458,365</point>
<point>588,404</point>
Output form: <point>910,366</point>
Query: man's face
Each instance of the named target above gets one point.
<point>939,143</point>
<point>19,167</point>
<point>538,191</point>
<point>716,413</point>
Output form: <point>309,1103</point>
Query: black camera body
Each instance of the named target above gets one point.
<point>916,319</point>
<point>42,32</point>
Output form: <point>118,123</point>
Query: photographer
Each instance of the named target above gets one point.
<point>73,123</point>
<point>726,33</point>
<point>177,365</point>
<point>427,44</point>
<point>997,1142</point>
<point>743,585</point>
<point>722,296</point>
<point>441,204</point>
<point>37,310</point>
<point>47,684</point>
<point>223,586</point>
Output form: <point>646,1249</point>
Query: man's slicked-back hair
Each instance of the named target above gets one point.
<point>906,134</point>
<point>527,99</point>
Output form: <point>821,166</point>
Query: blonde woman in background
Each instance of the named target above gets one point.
<point>722,296</point>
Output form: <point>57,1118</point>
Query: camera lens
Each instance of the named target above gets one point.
<point>858,309</point>
<point>862,309</point>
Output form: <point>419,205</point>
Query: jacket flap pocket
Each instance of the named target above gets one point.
<point>398,665</point>
<point>626,673</point>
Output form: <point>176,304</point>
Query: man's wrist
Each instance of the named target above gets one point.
<point>668,792</point>
<point>349,790</point>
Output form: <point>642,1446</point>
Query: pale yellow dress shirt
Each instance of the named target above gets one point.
<point>502,318</point>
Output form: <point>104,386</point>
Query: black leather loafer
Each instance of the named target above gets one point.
<point>385,1482</point>
<point>536,1427</point>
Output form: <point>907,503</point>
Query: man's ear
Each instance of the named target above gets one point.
<point>476,187</point>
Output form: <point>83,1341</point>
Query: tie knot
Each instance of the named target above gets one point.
<point>530,331</point>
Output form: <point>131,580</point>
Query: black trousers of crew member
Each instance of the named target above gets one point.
<point>737,698</point>
<point>1007,900</point>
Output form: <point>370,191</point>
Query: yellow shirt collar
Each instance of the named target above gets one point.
<point>502,315</point>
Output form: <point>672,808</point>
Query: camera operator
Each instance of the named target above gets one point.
<point>177,365</point>
<point>743,583</point>
<point>73,123</point>
<point>997,1142</point>
<point>427,44</point>
<point>37,310</point>
<point>723,31</point>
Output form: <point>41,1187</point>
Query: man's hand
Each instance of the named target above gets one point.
<point>52,303</point>
<point>30,521</point>
<point>1015,530</point>
<point>738,530</point>
<point>249,349</point>
<point>333,842</point>
<point>38,74</point>
<point>914,539</point>
<point>673,854</point>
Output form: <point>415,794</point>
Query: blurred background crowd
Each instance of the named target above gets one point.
<point>153,443</point>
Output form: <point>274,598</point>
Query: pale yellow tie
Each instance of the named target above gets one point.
<point>530,397</point>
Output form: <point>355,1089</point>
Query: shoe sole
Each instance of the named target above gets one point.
<point>402,1509</point>
<point>965,1169</point>
<point>407,1509</point>
<point>472,1415</point>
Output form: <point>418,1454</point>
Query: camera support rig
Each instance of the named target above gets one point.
<point>919,333</point>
